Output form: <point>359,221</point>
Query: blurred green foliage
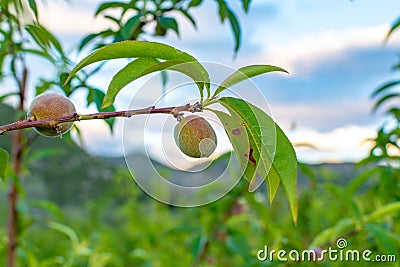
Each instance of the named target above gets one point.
<point>122,226</point>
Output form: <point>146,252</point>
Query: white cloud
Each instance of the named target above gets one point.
<point>71,18</point>
<point>340,145</point>
<point>301,54</point>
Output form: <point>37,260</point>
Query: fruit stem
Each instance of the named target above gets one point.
<point>53,122</point>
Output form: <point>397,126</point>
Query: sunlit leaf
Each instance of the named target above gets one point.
<point>69,232</point>
<point>244,74</point>
<point>272,152</point>
<point>330,234</point>
<point>135,69</point>
<point>389,209</point>
<point>3,163</point>
<point>138,49</point>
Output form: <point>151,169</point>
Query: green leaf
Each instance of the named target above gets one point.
<point>48,206</point>
<point>195,3</point>
<point>97,96</point>
<point>138,49</point>
<point>347,199</point>
<point>384,87</point>
<point>87,40</point>
<point>235,29</point>
<point>198,243</point>
<point>222,10</point>
<point>131,26</point>
<point>43,85</point>
<point>42,154</point>
<point>5,96</point>
<point>359,180</point>
<point>188,16</point>
<point>169,23</point>
<point>272,153</point>
<point>41,53</point>
<point>384,99</point>
<point>383,238</point>
<point>244,74</point>
<point>239,139</point>
<point>347,224</point>
<point>33,7</point>
<point>44,38</point>
<point>246,4</point>
<point>394,26</point>
<point>108,5</point>
<point>387,210</point>
<point>330,234</point>
<point>3,163</point>
<point>141,67</point>
<point>66,231</point>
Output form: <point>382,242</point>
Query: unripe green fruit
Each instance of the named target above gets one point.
<point>195,137</point>
<point>51,105</point>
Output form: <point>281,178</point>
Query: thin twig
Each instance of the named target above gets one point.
<point>52,122</point>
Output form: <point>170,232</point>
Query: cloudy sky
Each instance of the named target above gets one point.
<point>333,50</point>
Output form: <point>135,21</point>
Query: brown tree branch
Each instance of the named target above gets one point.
<point>28,123</point>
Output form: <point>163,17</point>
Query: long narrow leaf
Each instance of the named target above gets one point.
<point>3,163</point>
<point>141,67</point>
<point>394,26</point>
<point>33,7</point>
<point>384,87</point>
<point>244,74</point>
<point>272,152</point>
<point>107,5</point>
<point>239,139</point>
<point>383,99</point>
<point>139,49</point>
<point>235,29</point>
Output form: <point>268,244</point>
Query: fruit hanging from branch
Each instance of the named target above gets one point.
<point>195,137</point>
<point>51,105</point>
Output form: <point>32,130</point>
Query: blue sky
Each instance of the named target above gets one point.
<point>333,50</point>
